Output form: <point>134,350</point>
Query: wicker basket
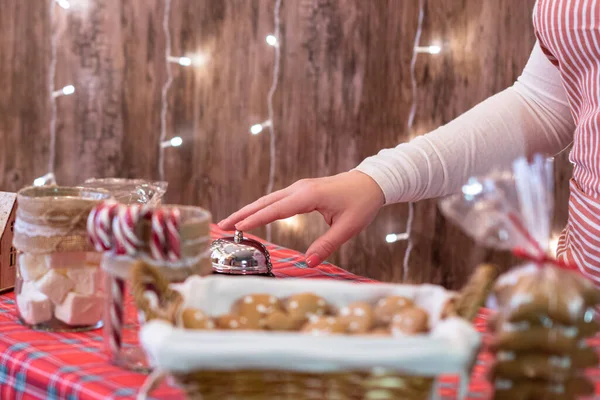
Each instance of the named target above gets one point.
<point>211,382</point>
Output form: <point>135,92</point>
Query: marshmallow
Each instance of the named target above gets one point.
<point>86,279</point>
<point>78,309</point>
<point>32,266</point>
<point>34,307</point>
<point>55,286</point>
<point>28,289</point>
<point>66,260</point>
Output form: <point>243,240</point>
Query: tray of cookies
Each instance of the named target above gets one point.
<point>256,337</point>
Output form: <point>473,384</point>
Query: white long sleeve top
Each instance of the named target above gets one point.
<point>532,116</point>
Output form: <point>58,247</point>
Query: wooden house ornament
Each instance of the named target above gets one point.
<point>8,254</point>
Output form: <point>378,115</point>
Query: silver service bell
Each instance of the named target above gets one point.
<point>240,256</point>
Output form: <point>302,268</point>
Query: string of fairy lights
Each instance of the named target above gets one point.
<point>432,49</point>
<point>49,178</point>
<point>273,40</point>
<point>184,61</point>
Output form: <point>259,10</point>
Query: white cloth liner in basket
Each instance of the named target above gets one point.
<point>450,347</point>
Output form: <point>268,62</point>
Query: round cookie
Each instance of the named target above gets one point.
<point>389,306</point>
<point>322,326</point>
<point>573,388</point>
<point>280,321</point>
<point>232,322</point>
<point>410,321</point>
<point>536,339</point>
<point>192,318</point>
<point>256,307</point>
<point>302,306</point>
<point>357,317</point>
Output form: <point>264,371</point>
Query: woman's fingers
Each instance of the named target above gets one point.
<point>229,223</point>
<point>285,208</point>
<point>339,233</point>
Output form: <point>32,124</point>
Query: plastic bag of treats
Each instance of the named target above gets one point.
<point>545,308</point>
<point>130,191</point>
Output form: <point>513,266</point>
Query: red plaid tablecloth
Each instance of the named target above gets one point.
<point>45,365</point>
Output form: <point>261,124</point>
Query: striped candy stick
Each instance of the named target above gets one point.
<point>172,223</point>
<point>101,228</point>
<point>116,313</point>
<point>126,243</point>
<point>104,224</point>
<point>109,231</point>
<point>91,228</point>
<point>125,230</point>
<point>99,225</point>
<point>123,224</point>
<point>158,243</point>
<point>116,310</point>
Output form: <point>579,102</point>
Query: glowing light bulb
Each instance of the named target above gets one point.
<point>66,91</point>
<point>396,237</point>
<point>432,49</point>
<point>39,182</point>
<point>47,179</point>
<point>272,40</point>
<point>258,128</point>
<point>183,61</point>
<point>64,4</point>
<point>176,141</point>
<point>173,142</point>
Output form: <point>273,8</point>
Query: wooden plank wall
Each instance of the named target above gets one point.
<point>344,93</point>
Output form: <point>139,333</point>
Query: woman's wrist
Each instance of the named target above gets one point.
<point>370,186</point>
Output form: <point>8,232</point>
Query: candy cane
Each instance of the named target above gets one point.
<point>97,238</point>
<point>173,239</point>
<point>158,244</point>
<point>101,228</point>
<point>125,224</point>
<point>102,225</point>
<point>112,226</point>
<point>116,315</point>
<point>91,228</point>
<point>118,247</point>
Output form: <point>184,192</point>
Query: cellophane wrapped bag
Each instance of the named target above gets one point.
<point>130,191</point>
<point>545,308</point>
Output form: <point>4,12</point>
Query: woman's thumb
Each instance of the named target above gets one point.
<point>337,235</point>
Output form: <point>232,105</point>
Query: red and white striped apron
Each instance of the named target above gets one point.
<point>569,34</point>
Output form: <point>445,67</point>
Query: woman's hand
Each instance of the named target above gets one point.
<point>348,202</point>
